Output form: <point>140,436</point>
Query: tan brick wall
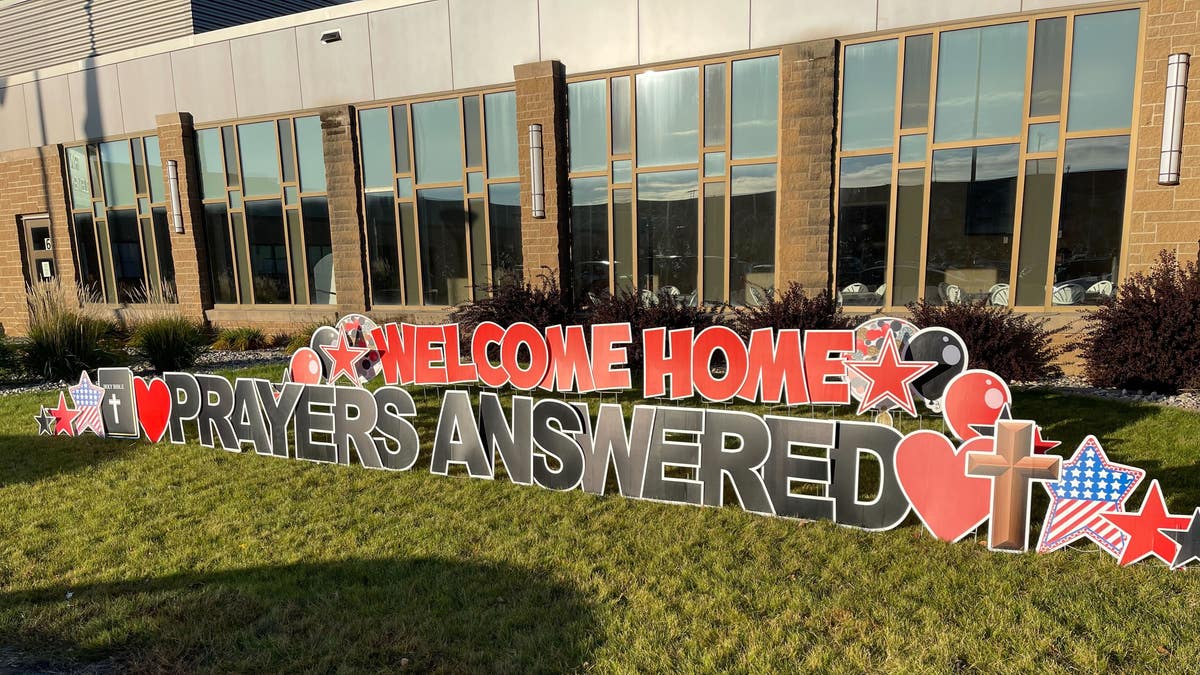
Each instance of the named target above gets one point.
<point>32,181</point>
<point>1166,216</point>
<point>345,213</point>
<point>808,83</point>
<point>177,141</point>
<point>541,99</point>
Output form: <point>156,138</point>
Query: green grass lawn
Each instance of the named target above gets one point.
<point>162,557</point>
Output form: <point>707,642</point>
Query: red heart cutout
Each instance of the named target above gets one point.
<point>153,406</point>
<point>933,475</point>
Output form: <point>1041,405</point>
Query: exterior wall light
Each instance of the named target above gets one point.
<point>176,207</point>
<point>535,171</point>
<point>1172,133</point>
<point>334,35</point>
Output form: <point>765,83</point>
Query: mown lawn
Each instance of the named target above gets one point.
<point>161,557</point>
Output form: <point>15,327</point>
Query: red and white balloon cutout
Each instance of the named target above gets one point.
<point>305,367</point>
<point>974,397</point>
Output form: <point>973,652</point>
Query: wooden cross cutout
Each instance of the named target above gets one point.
<point>1012,468</point>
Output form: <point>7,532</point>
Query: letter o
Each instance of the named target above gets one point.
<point>524,335</point>
<point>708,341</point>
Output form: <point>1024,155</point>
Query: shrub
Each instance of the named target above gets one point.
<point>169,342</point>
<point>299,338</point>
<point>68,333</point>
<point>513,301</point>
<point>643,309</point>
<point>240,340</point>
<point>792,309</point>
<point>1015,346</point>
<point>1148,337</point>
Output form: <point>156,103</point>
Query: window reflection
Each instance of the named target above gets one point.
<point>375,136</point>
<point>589,236</point>
<point>864,194</point>
<point>383,248</point>
<point>755,111</point>
<point>318,251</point>
<point>88,264</point>
<point>116,166</point>
<point>258,148</point>
<point>869,95</point>
<point>1037,220</point>
<point>1049,39</point>
<point>1103,65</point>
<point>268,251</point>
<point>443,231</point>
<point>906,262</point>
<point>500,114</point>
<point>437,138</point>
<point>668,117</point>
<point>667,232</point>
<point>504,214</point>
<point>981,82</point>
<point>1090,219</point>
<point>220,253</point>
<point>586,115</point>
<point>752,234</point>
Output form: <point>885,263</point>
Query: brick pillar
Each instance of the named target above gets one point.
<point>808,82</point>
<point>1165,216</point>
<point>343,187</point>
<point>177,141</point>
<point>542,99</point>
<point>32,181</point>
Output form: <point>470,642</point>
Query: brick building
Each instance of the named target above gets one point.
<point>377,156</point>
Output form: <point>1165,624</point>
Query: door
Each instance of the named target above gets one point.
<point>39,248</point>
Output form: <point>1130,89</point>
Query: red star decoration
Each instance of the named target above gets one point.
<point>889,377</point>
<point>344,357</point>
<point>64,417</point>
<point>1143,528</point>
<point>1043,445</point>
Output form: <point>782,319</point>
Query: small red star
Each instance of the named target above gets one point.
<point>889,377</point>
<point>1042,445</point>
<point>1143,527</point>
<point>64,417</point>
<point>344,357</point>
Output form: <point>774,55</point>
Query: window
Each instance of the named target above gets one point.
<point>445,226</point>
<point>118,214</point>
<point>266,216</point>
<point>684,202</point>
<point>983,186</point>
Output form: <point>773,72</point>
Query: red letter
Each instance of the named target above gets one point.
<point>608,361</point>
<point>568,361</point>
<point>456,370</point>
<point>823,350</point>
<point>486,335</point>
<point>395,357</point>
<point>708,341</point>
<point>775,364</point>
<point>427,351</point>
<point>658,365</point>
<point>518,335</point>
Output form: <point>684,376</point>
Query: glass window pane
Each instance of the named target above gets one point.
<point>235,199</point>
<point>906,274</point>
<point>1033,255</point>
<point>259,150</point>
<point>1049,40</point>
<point>374,135</point>
<point>94,170</point>
<point>981,82</point>
<point>238,225</point>
<point>404,188</point>
<point>755,107</point>
<point>1043,137</point>
<point>152,286</point>
<point>268,250</point>
<point>443,225</point>
<point>311,151</point>
<point>143,204</point>
<point>667,231</point>
<point>126,245</point>
<point>918,56</point>
<point>504,214</point>
<point>139,167</point>
<point>869,95</point>
<point>714,164</point>
<point>383,249</point>
<point>972,202</point>
<point>714,242</point>
<point>154,166</point>
<point>480,264</point>
<point>589,236</point>
<point>623,237</point>
<point>714,103</point>
<point>438,142</point>
<point>287,151</point>
<point>117,170</point>
<point>912,148</point>
<point>412,266</point>
<point>864,197</point>
<point>586,125</point>
<point>751,233</point>
<point>500,115</point>
<point>1103,65</point>
<point>622,171</point>
<point>296,246</point>
<point>219,254</point>
<point>77,171</point>
<point>212,175</point>
<point>86,256</point>
<point>106,260</point>
<point>668,118</point>
<point>291,196</point>
<point>229,147</point>
<point>621,106</point>
<point>318,251</point>
<point>166,261</point>
<point>400,127</point>
<point>475,182</point>
<point>474,140</point>
<point>1090,219</point>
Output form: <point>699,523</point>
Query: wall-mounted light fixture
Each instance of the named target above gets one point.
<point>334,35</point>
<point>535,171</point>
<point>1172,133</point>
<point>176,206</point>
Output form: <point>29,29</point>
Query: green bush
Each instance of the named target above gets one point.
<point>300,338</point>
<point>68,333</point>
<point>240,340</point>
<point>169,342</point>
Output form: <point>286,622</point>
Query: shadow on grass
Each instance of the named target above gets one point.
<point>421,614</point>
<point>28,459</point>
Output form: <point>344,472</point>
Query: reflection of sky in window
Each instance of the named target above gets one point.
<point>117,169</point>
<point>1096,154</point>
<point>981,82</point>
<point>869,95</point>
<point>1103,65</point>
<point>665,186</point>
<point>752,179</point>
<point>505,194</point>
<point>668,117</point>
<point>865,172</point>
<point>589,191</point>
<point>991,163</point>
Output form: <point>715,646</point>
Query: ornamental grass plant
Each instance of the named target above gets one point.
<point>69,331</point>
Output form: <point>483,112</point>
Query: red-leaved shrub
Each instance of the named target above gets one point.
<point>643,309</point>
<point>792,308</point>
<point>1015,346</point>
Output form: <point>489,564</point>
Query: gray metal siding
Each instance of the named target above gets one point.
<point>39,33</point>
<point>213,14</point>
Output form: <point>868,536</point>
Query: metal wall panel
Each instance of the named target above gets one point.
<point>779,22</point>
<point>589,36</point>
<point>410,50</point>
<point>488,39</point>
<point>904,13</point>
<point>266,77</point>
<point>96,103</point>
<point>679,29</point>
<point>48,111</point>
<point>338,72</point>
<point>14,131</point>
<point>147,89</point>
<point>204,82</point>
<point>213,14</point>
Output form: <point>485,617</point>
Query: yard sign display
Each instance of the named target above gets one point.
<point>984,471</point>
